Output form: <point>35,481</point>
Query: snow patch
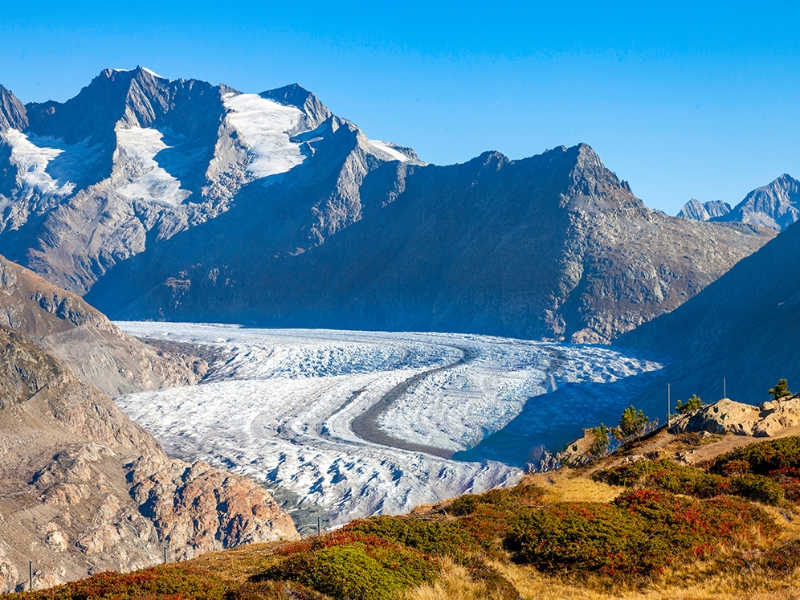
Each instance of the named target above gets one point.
<point>150,182</point>
<point>46,165</point>
<point>153,73</point>
<point>384,147</point>
<point>264,126</point>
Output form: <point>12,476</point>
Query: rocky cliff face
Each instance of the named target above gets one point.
<point>743,327</point>
<point>85,341</point>
<point>83,489</point>
<point>182,200</point>
<point>135,158</point>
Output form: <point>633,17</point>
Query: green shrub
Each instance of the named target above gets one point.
<point>437,538</point>
<point>643,531</point>
<point>357,571</point>
<point>668,476</point>
<point>757,487</point>
<point>763,458</point>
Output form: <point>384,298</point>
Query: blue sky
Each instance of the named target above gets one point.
<point>680,99</point>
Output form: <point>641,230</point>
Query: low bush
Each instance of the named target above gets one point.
<point>357,571</point>
<point>758,488</point>
<point>438,538</point>
<point>641,532</point>
<point>668,476</point>
<point>172,582</point>
<point>763,458</point>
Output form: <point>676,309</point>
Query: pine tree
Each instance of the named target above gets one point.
<point>780,390</point>
<point>692,404</point>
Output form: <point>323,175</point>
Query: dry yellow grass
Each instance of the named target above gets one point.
<point>705,583</point>
<point>453,584</point>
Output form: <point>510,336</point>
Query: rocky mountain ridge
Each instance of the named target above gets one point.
<point>704,211</point>
<point>82,488</point>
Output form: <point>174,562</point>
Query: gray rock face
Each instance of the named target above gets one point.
<point>182,200</point>
<point>134,159</point>
<point>704,211</point>
<point>776,205</point>
<point>554,246</point>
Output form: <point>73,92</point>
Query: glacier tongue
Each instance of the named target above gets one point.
<point>281,408</point>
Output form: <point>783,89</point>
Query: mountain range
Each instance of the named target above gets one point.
<point>181,200</point>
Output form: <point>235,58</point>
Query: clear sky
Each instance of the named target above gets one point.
<point>682,99</point>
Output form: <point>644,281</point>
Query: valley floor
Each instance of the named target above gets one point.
<point>362,423</point>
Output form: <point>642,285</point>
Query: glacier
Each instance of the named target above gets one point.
<point>280,407</point>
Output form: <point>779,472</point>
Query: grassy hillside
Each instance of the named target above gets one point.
<point>648,528</point>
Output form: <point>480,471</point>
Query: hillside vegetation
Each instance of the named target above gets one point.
<point>645,529</point>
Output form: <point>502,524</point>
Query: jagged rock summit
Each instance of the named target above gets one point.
<point>184,200</point>
<point>704,211</point>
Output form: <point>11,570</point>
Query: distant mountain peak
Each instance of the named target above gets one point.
<point>775,205</point>
<point>704,211</point>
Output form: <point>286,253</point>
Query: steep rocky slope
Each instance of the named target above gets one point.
<point>135,158</point>
<point>743,327</point>
<point>83,489</point>
<point>553,246</point>
<point>84,340</point>
<point>183,200</point>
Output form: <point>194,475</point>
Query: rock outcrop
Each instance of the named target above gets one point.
<point>727,416</point>
<point>188,201</point>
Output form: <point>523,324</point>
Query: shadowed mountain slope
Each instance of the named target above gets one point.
<point>553,246</point>
<point>743,327</point>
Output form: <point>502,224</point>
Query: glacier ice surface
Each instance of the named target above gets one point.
<point>279,406</point>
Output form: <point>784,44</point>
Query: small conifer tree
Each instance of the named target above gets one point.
<point>602,441</point>
<point>692,404</point>
<point>633,423</point>
<point>780,391</point>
